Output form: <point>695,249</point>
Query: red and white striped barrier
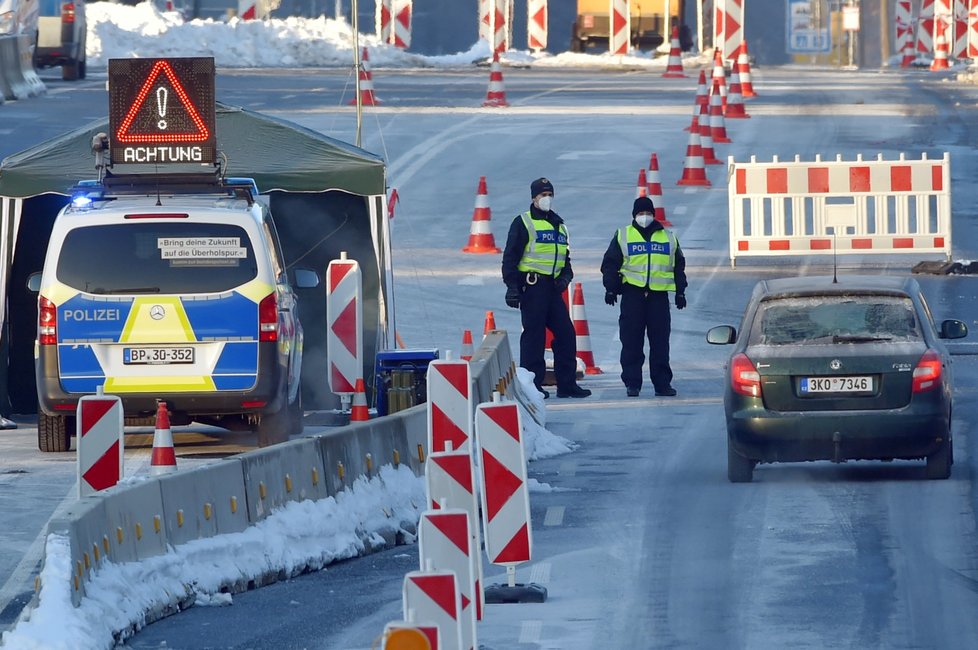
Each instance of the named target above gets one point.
<point>620,28</point>
<point>728,27</point>
<point>401,11</point>
<point>449,406</point>
<point>861,206</point>
<point>486,8</point>
<point>344,319</point>
<point>972,29</point>
<point>445,544</point>
<point>434,596</point>
<point>499,25</point>
<point>505,499</point>
<point>536,24</point>
<point>450,482</point>
<point>101,447</point>
<point>383,17</point>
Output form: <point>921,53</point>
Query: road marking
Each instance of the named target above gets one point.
<point>568,468</point>
<point>554,516</point>
<point>530,631</point>
<point>540,573</point>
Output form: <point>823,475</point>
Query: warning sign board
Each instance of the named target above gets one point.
<point>162,111</point>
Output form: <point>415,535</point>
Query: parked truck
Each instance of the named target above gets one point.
<point>649,28</point>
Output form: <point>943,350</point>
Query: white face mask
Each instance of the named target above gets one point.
<point>544,202</point>
<point>644,220</point>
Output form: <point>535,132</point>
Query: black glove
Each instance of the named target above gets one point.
<point>680,301</point>
<point>513,297</point>
<point>560,284</point>
<point>610,298</point>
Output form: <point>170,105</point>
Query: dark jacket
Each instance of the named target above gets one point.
<point>611,264</point>
<point>516,243</point>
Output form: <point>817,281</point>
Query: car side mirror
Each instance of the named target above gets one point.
<point>721,335</point>
<point>953,329</point>
<point>34,282</point>
<point>306,279</point>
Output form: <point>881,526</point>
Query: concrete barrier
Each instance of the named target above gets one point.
<point>134,522</point>
<point>205,501</point>
<point>26,52</point>
<point>292,471</point>
<point>10,66</point>
<point>7,46</point>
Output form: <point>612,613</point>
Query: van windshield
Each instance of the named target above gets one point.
<point>164,258</point>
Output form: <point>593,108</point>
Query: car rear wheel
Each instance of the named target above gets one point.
<point>739,469</point>
<point>54,432</point>
<point>939,463</point>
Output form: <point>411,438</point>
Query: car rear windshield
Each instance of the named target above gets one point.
<point>834,319</point>
<point>154,257</point>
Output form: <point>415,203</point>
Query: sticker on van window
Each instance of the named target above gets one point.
<point>201,251</point>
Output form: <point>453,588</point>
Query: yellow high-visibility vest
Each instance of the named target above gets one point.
<point>648,264</point>
<point>546,247</point>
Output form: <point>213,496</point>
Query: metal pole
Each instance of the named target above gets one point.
<point>699,25</point>
<point>356,67</point>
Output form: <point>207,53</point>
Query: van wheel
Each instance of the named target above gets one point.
<point>54,432</point>
<point>739,469</point>
<point>273,428</point>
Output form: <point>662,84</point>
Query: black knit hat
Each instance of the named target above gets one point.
<point>539,186</point>
<point>643,204</point>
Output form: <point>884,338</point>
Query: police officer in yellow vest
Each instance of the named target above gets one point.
<point>643,264</point>
<point>536,271</point>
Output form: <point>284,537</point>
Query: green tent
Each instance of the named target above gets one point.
<point>326,196</point>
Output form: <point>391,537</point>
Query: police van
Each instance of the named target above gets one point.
<point>172,288</point>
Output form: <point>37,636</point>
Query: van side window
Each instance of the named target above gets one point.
<point>274,249</point>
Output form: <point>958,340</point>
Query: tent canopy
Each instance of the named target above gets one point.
<point>253,143</point>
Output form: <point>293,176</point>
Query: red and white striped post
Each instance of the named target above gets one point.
<point>344,326</point>
<point>505,498</point>
<point>445,544</point>
<point>500,26</point>
<point>434,596</point>
<point>486,8</point>
<point>401,11</point>
<point>536,24</point>
<point>383,20</point>
<point>449,406</point>
<point>99,437</point>
<point>620,27</point>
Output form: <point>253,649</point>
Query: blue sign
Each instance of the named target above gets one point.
<point>807,32</point>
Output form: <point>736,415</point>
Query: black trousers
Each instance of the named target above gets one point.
<point>542,307</point>
<point>644,314</point>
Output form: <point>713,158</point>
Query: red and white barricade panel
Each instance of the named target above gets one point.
<point>499,25</point>
<point>536,24</point>
<point>434,596</point>
<point>620,27</point>
<point>486,8</point>
<point>401,11</point>
<point>450,481</point>
<point>505,498</point>
<point>862,206</point>
<point>972,23</point>
<point>344,324</point>
<point>99,437</point>
<point>449,406</point>
<point>384,17</point>
<point>728,27</point>
<point>445,544</point>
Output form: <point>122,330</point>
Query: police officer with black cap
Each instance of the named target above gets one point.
<point>643,264</point>
<point>536,271</point>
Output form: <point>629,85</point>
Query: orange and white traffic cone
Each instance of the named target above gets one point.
<point>706,139</point>
<point>718,127</point>
<point>164,458</point>
<point>743,67</point>
<point>694,173</point>
<point>702,96</point>
<point>480,236</point>
<point>490,324</point>
<point>579,318</point>
<point>940,53</point>
<point>367,97</point>
<point>674,66</point>
<point>466,345</point>
<point>496,96</point>
<point>720,76</point>
<point>655,191</point>
<point>909,56</point>
<point>642,188</point>
<point>358,410</point>
<point>735,101</point>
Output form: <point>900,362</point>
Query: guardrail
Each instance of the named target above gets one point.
<point>816,207</point>
<point>18,80</point>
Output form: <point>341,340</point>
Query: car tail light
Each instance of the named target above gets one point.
<point>927,374</point>
<point>253,404</point>
<point>268,318</point>
<point>47,322</point>
<point>744,378</point>
<point>68,12</point>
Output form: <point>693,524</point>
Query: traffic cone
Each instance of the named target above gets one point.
<point>496,96</point>
<point>490,323</point>
<point>674,67</point>
<point>367,97</point>
<point>358,410</point>
<point>702,96</point>
<point>940,53</point>
<point>164,458</point>
<point>743,67</point>
<point>642,188</point>
<point>480,237</point>
<point>720,76</point>
<point>735,101</point>
<point>466,345</point>
<point>706,140</point>
<point>909,56</point>
<point>718,127</point>
<point>694,173</point>
<point>579,318</point>
<point>655,191</point>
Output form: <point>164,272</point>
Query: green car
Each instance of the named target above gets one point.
<point>846,369</point>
